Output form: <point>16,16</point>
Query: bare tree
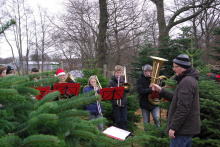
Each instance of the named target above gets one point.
<point>179,15</point>
<point>44,34</point>
<point>125,27</point>
<point>78,35</point>
<point>19,11</point>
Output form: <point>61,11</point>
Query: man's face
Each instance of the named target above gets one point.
<point>62,78</point>
<point>3,74</point>
<point>148,73</point>
<point>178,69</point>
<point>34,72</point>
<point>118,74</point>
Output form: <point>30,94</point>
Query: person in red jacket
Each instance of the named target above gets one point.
<point>184,114</point>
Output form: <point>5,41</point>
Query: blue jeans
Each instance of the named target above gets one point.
<point>120,116</point>
<point>155,114</point>
<point>181,141</point>
<point>94,116</point>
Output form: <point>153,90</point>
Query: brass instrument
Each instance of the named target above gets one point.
<point>98,82</point>
<point>69,78</point>
<point>96,85</point>
<point>157,65</point>
<point>97,102</point>
<point>125,84</point>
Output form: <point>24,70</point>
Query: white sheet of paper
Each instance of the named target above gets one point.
<point>116,133</point>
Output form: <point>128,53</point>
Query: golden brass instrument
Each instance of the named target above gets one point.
<point>125,84</point>
<point>98,82</point>
<point>69,78</point>
<point>155,99</point>
<point>100,87</point>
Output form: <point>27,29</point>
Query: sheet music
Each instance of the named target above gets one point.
<point>116,133</point>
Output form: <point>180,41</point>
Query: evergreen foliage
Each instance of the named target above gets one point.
<point>144,58</point>
<point>183,44</point>
<point>29,122</point>
<point>216,48</point>
<point>133,105</point>
<point>89,72</point>
<point>132,117</point>
<point>208,91</point>
<point>7,25</point>
<point>209,112</point>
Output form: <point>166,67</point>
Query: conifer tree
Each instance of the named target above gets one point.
<point>209,112</point>
<point>183,44</point>
<point>7,25</point>
<point>143,58</point>
<point>107,106</point>
<point>216,48</point>
<point>28,122</point>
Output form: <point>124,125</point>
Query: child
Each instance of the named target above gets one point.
<point>3,70</point>
<point>119,106</point>
<point>94,108</point>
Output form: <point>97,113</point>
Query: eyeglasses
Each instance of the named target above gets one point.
<point>176,66</point>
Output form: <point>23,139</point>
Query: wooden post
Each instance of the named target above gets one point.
<point>61,64</point>
<point>105,70</point>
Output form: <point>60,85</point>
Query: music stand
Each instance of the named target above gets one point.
<point>67,88</point>
<point>43,91</point>
<point>112,93</point>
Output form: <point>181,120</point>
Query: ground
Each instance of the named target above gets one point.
<point>141,126</point>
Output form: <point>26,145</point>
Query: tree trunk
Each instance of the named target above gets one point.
<point>102,46</point>
<point>163,32</point>
<point>173,21</point>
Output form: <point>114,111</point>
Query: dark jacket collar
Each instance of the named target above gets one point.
<point>143,76</point>
<point>193,72</point>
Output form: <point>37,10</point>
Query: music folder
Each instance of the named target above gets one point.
<point>67,88</point>
<point>117,133</point>
<point>43,91</point>
<point>111,93</point>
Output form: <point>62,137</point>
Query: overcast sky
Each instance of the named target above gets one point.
<point>53,6</point>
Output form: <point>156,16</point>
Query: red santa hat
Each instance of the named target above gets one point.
<point>60,72</point>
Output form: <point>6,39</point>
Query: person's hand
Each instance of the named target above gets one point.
<point>35,79</point>
<point>171,133</point>
<point>209,74</point>
<point>155,87</point>
<point>96,88</point>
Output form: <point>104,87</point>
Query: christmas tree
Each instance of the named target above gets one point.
<point>216,48</point>
<point>28,122</point>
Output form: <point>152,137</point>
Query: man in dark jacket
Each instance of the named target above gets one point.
<point>143,83</point>
<point>184,114</point>
<point>120,105</point>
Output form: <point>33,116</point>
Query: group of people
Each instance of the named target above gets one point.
<point>6,70</point>
<point>183,119</point>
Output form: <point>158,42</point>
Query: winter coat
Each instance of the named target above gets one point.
<point>184,112</point>
<point>93,107</point>
<point>143,90</point>
<point>114,83</point>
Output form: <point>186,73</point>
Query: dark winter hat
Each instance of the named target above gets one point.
<point>183,61</point>
<point>9,68</point>
<point>147,67</point>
